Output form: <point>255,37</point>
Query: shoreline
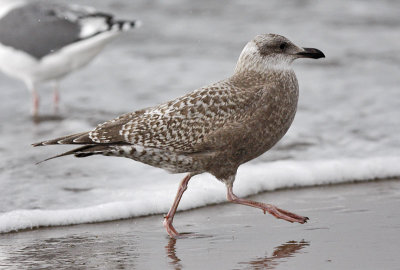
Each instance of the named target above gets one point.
<point>340,234</point>
<point>293,188</point>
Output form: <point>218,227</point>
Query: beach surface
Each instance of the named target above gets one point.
<point>352,226</point>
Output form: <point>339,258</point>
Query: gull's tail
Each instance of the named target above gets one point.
<point>99,22</point>
<point>78,138</point>
<point>89,148</point>
<point>125,25</point>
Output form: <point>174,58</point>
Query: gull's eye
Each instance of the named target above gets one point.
<point>283,45</point>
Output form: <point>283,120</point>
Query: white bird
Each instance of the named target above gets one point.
<point>42,41</point>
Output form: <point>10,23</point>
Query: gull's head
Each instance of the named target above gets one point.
<point>271,51</point>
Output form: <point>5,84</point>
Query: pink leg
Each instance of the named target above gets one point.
<point>170,216</point>
<point>56,97</point>
<point>272,209</point>
<point>35,103</point>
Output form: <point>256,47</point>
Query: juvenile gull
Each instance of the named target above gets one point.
<point>44,41</point>
<point>215,128</point>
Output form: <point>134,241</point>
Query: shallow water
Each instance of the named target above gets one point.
<point>346,127</point>
<point>351,226</point>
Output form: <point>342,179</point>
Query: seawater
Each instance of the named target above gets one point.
<point>346,129</point>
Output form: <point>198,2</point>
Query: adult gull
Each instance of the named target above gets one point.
<point>44,41</point>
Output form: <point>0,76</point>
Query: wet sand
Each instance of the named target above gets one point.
<point>352,226</point>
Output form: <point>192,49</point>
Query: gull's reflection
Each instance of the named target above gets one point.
<point>37,119</point>
<point>286,250</point>
<point>171,253</point>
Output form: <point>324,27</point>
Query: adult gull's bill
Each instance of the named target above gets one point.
<point>44,41</point>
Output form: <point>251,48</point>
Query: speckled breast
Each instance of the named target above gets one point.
<point>270,120</point>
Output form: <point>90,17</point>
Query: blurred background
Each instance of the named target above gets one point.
<point>348,109</point>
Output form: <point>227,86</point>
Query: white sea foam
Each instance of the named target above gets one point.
<point>251,179</point>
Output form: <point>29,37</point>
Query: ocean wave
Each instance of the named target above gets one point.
<point>252,178</point>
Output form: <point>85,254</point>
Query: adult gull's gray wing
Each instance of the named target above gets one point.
<point>39,28</point>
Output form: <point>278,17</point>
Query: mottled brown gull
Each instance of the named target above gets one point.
<point>213,129</point>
